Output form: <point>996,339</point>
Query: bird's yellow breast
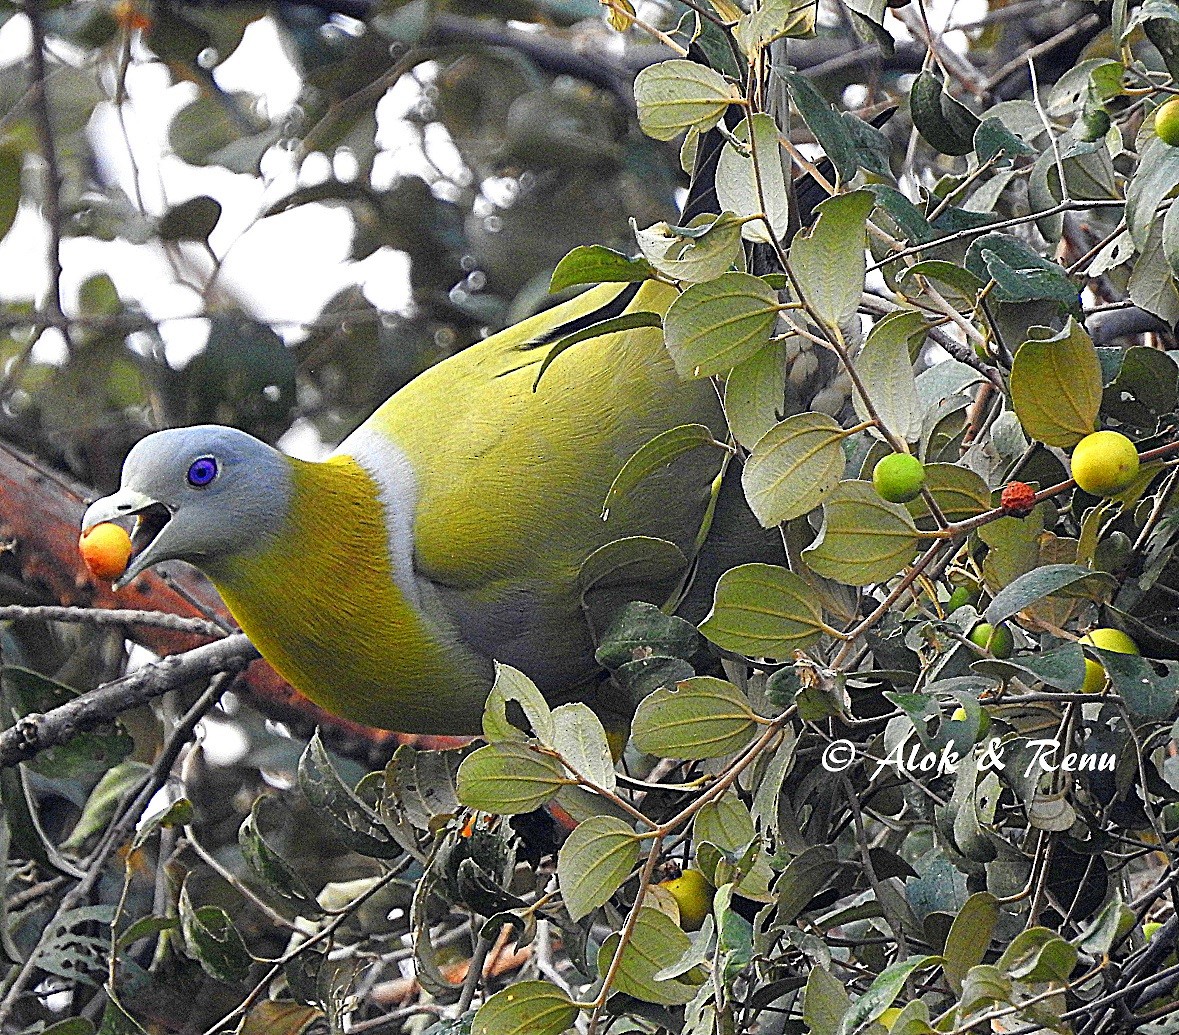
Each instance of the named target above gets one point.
<point>319,600</point>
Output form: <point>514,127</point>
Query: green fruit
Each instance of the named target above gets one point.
<point>693,894</point>
<point>1166,122</point>
<point>899,477</point>
<point>1106,639</point>
<point>959,598</point>
<point>1105,462</point>
<point>996,639</point>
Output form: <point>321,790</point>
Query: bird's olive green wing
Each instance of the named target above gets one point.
<point>511,480</point>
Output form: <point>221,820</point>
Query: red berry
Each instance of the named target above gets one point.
<point>1018,499</point>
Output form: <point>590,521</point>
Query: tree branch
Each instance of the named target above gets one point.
<point>35,733</point>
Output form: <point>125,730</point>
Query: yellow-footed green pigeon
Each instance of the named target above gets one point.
<point>452,529</point>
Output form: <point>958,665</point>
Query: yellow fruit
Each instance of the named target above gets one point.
<point>693,894</point>
<point>996,639</point>
<point>898,477</point>
<point>106,549</point>
<point>1166,122</point>
<point>1106,639</point>
<point>1105,463</point>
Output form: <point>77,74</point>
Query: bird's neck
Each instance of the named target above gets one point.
<point>326,581</point>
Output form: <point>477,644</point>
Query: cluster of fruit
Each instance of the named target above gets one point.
<point>1104,463</point>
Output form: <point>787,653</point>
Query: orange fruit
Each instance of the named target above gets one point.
<point>106,549</point>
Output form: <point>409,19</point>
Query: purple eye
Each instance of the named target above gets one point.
<point>202,471</point>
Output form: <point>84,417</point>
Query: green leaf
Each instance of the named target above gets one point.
<point>984,986</point>
<point>992,138</point>
<point>1145,387</point>
<point>753,183</point>
<point>704,249</point>
<point>1020,274</point>
<point>12,162</point>
<point>714,326</point>
<point>864,538</point>
<point>578,737</point>
<point>1038,954</point>
<point>1062,667</point>
<point>726,823</point>
<point>266,863</point>
<point>146,927</point>
<point>805,875</point>
<point>1156,176</point>
<point>700,951</point>
<point>828,262</point>
<point>654,455</point>
<point>1098,937</point>
<point>702,717</point>
<point>525,1008</point>
<point>641,630</point>
<point>421,785</point>
<point>656,941</point>
<point>73,1026</point>
<point>772,20</point>
<point>508,778</point>
<point>1056,386</point>
<point>1160,21</point>
<point>629,561</point>
<point>213,941</point>
<point>946,273</point>
<point>970,937</point>
<point>825,1002</point>
<point>947,125</point>
<point>959,492</point>
<point>596,264</point>
<point>594,861</point>
<point>794,467</point>
<point>351,820</point>
<point>614,325</point>
<point>909,219</point>
<point>512,685</point>
<point>191,220</point>
<point>1149,697</point>
<point>673,96</point>
<point>881,993</point>
<point>833,135</point>
<point>1043,581</point>
<point>113,786</point>
<point>755,395</point>
<point>886,370</point>
<point>204,132</point>
<point>763,611</point>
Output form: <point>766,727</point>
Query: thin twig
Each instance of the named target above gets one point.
<point>113,616</point>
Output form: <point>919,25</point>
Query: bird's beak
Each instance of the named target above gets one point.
<point>151,516</point>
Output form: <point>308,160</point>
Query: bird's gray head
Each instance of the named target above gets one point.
<point>200,494</point>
